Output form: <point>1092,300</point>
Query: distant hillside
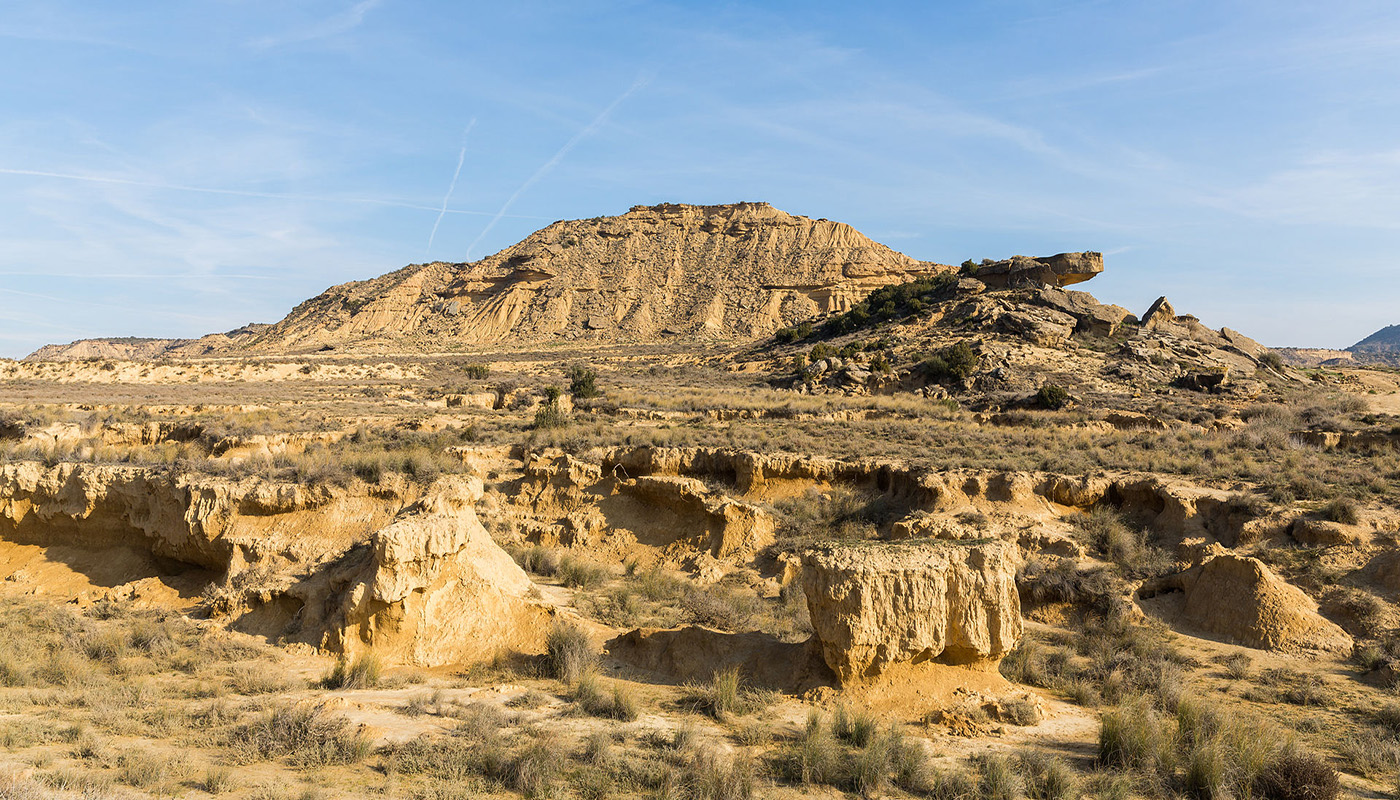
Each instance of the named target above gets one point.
<point>1381,347</point>
<point>133,348</point>
<point>724,272</point>
<point>1385,339</point>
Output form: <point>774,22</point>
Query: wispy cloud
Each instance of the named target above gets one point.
<point>546,167</point>
<point>1343,189</point>
<point>176,187</point>
<point>343,22</point>
<point>451,187</point>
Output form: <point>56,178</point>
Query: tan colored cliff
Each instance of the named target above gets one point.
<point>731,272</point>
<point>874,605</point>
<point>404,570</point>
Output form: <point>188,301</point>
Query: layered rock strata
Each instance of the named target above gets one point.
<point>877,605</point>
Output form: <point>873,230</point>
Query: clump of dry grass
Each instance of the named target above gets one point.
<point>726,694</point>
<point>306,735</point>
<point>570,651</point>
<point>362,673</point>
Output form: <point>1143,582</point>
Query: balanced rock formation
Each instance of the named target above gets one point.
<point>732,272</point>
<point>1240,600</point>
<point>1057,270</point>
<point>875,605</point>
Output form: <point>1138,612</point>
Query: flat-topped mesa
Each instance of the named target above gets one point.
<point>728,272</point>
<point>876,605</point>
<point>1061,270</point>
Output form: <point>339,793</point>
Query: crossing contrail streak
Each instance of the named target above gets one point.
<point>554,161</point>
<point>176,187</point>
<point>462,156</point>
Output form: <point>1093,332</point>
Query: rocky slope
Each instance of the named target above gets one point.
<point>726,272</point>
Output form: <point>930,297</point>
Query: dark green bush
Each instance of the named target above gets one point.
<point>583,382</point>
<point>1052,396</point>
<point>957,361</point>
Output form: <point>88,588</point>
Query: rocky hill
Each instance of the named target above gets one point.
<point>1381,347</point>
<point>725,272</point>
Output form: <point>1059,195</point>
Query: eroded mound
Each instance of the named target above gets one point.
<point>1242,601</point>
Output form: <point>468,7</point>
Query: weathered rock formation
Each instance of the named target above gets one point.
<point>730,272</point>
<point>1240,600</point>
<point>428,589</point>
<point>1058,270</point>
<point>405,570</point>
<point>877,605</point>
<point>1175,510</point>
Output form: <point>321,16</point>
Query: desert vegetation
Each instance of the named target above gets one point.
<point>1091,560</point>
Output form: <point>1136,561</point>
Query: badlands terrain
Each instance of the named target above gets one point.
<point>701,502</point>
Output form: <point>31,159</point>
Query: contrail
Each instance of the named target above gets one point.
<point>176,187</point>
<point>462,156</point>
<point>559,156</point>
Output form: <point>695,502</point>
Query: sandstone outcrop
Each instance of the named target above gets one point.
<point>1174,509</point>
<point>431,588</point>
<point>405,570</point>
<point>873,606</point>
<point>1240,600</point>
<point>1061,270</point>
<point>728,272</point>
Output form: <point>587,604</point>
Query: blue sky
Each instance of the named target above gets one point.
<point>173,169</point>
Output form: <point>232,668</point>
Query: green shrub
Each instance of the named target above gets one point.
<point>476,371</point>
<point>550,416</point>
<point>887,303</point>
<point>955,362</point>
<point>1052,396</point>
<point>583,382</point>
<point>794,333</point>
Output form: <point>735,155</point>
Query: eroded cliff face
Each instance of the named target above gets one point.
<point>732,272</point>
<point>874,605</point>
<point>401,569</point>
<point>430,588</point>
